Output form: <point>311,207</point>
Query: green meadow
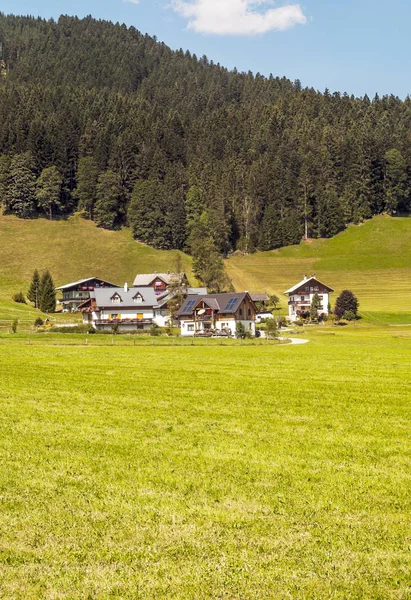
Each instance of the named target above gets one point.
<point>238,472</point>
<point>71,249</point>
<point>372,259</point>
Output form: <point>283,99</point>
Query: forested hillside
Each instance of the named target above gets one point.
<point>100,118</point>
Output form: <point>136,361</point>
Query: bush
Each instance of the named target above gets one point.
<point>19,298</point>
<point>38,322</point>
<point>14,326</point>
<point>349,315</point>
<point>75,329</point>
<point>271,330</point>
<point>239,330</point>
<point>155,330</point>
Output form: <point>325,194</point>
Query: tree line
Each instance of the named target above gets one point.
<point>98,118</point>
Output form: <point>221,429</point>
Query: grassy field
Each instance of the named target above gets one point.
<point>71,250</point>
<point>372,259</point>
<point>240,472</point>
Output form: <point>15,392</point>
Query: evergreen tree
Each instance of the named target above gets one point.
<point>346,302</point>
<point>33,293</point>
<point>86,190</point>
<point>47,293</point>
<point>107,212</point>
<point>20,195</point>
<point>4,176</point>
<point>395,180</point>
<point>48,190</point>
<point>315,307</point>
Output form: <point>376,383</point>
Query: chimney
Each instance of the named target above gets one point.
<point>126,287</point>
<point>305,277</point>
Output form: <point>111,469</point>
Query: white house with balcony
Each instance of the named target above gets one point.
<point>301,295</point>
<point>130,309</point>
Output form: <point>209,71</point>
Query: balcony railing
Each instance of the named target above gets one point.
<point>124,322</point>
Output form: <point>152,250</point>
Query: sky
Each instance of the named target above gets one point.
<point>354,46</point>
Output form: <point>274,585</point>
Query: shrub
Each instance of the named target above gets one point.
<point>14,326</point>
<point>38,322</point>
<point>19,298</point>
<point>239,330</point>
<point>155,330</point>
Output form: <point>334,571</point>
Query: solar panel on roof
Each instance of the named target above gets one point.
<point>231,304</point>
<point>190,304</point>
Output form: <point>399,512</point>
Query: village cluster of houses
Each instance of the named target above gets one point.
<point>146,304</point>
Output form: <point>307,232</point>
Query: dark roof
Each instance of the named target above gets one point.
<point>307,280</point>
<point>223,303</point>
<point>81,281</point>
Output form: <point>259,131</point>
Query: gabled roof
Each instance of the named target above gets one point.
<point>104,297</point>
<point>259,297</point>
<point>305,281</point>
<point>69,285</point>
<point>224,303</point>
<point>148,278</point>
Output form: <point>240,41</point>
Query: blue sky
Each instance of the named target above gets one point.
<point>354,46</point>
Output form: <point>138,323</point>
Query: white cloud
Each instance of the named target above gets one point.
<point>132,1</point>
<point>238,17</point>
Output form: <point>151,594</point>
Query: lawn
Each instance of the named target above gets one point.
<point>72,249</point>
<point>235,472</point>
<point>372,259</point>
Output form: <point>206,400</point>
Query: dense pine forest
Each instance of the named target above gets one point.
<point>97,117</point>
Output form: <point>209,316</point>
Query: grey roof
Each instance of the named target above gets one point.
<point>260,297</point>
<point>218,302</point>
<point>148,278</point>
<point>69,285</point>
<point>104,297</point>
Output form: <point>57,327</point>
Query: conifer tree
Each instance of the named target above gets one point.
<point>86,190</point>
<point>48,190</point>
<point>47,293</point>
<point>33,293</point>
<point>346,302</point>
<point>315,307</point>
<point>20,194</point>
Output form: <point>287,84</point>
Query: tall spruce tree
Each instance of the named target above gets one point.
<point>47,293</point>
<point>20,196</point>
<point>48,190</point>
<point>33,293</point>
<point>86,191</point>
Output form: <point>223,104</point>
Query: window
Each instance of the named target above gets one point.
<point>241,312</point>
<point>231,304</point>
<point>190,327</point>
<point>116,299</point>
<point>249,312</point>
<point>302,298</point>
<point>140,316</point>
<point>138,299</point>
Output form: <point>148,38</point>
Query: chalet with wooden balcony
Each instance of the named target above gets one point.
<point>130,309</point>
<point>76,293</point>
<point>217,313</point>
<point>300,297</point>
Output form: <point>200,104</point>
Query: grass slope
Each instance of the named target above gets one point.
<point>71,250</point>
<point>372,259</point>
<point>173,474</point>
